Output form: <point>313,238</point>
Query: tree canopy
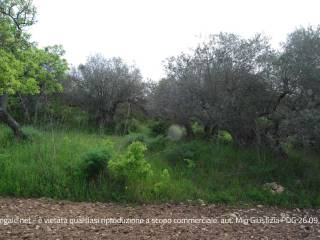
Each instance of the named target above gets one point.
<point>25,68</point>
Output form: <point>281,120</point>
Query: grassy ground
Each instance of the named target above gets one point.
<point>47,166</point>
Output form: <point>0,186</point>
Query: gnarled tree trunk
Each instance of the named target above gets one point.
<point>7,119</point>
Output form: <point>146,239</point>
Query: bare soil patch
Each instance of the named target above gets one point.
<point>48,219</point>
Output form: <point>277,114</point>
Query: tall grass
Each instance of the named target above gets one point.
<point>46,165</point>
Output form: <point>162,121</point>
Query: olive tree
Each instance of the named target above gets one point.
<point>101,85</point>
<point>227,83</point>
<point>299,65</point>
<point>176,97</point>
<point>238,84</point>
<point>259,95</point>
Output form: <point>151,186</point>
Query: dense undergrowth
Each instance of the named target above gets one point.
<point>142,167</point>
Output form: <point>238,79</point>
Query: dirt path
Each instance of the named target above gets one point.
<point>28,219</point>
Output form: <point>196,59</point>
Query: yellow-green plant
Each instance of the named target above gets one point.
<point>131,166</point>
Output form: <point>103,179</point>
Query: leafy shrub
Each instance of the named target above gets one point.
<point>190,163</point>
<point>130,167</point>
<point>159,128</point>
<point>95,163</point>
<point>197,128</point>
<point>224,137</point>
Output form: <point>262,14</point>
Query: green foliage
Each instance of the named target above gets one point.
<point>131,172</point>
<point>264,122</point>
<point>78,166</point>
<point>32,134</point>
<point>24,67</point>
<point>138,137</point>
<point>184,153</point>
<point>95,164</point>
<point>6,137</point>
<point>304,129</point>
<point>10,69</point>
<point>46,67</point>
<point>63,164</point>
<point>162,187</point>
<point>224,137</point>
<point>131,167</point>
<point>190,163</point>
<point>158,143</point>
<point>159,128</point>
<point>22,10</point>
<point>57,113</point>
<point>197,128</point>
<point>127,126</point>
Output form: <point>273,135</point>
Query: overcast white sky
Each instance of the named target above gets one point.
<point>145,32</point>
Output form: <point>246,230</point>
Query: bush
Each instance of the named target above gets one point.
<point>130,167</point>
<point>224,137</point>
<point>95,163</point>
<point>159,128</point>
<point>197,128</point>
